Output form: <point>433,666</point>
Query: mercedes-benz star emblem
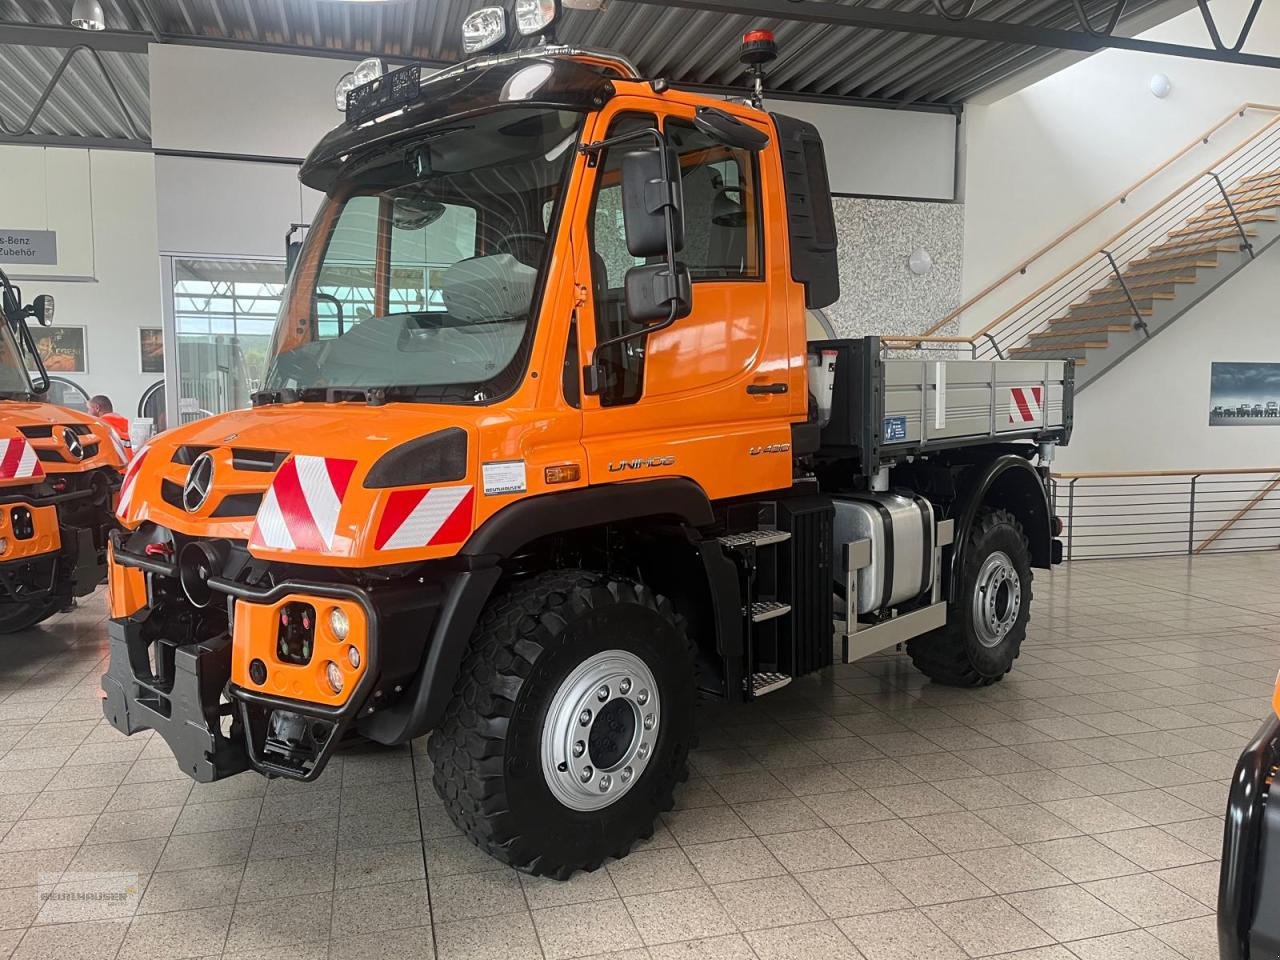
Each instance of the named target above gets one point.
<point>195,490</point>
<point>72,443</point>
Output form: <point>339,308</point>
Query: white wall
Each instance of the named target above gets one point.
<point>1039,160</point>
<point>883,153</point>
<point>1151,411</point>
<point>103,204</point>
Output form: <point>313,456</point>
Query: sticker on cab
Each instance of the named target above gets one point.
<point>503,476</point>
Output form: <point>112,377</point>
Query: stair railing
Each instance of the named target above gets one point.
<point>1214,184</point>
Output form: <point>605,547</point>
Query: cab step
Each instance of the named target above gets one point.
<point>754,538</point>
<point>758,684</point>
<point>763,610</point>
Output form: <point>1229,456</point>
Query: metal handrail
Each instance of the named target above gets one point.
<point>1012,326</point>
<point>1182,512</point>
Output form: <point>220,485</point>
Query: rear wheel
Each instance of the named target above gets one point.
<point>987,621</point>
<point>23,616</point>
<point>570,722</point>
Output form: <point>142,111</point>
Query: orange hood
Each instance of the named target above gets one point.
<point>290,480</point>
<point>53,434</point>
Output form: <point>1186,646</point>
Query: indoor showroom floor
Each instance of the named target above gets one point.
<point>1073,810</point>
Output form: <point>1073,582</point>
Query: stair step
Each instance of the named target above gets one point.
<point>1200,239</point>
<point>1246,210</point>
<point>754,538</point>
<point>1268,176</point>
<point>1104,311</point>
<point>1170,264</point>
<point>1224,222</point>
<point>1153,280</point>
<point>1056,351</point>
<point>761,683</point>
<point>1052,333</point>
<point>763,610</point>
<point>1187,252</point>
<point>1113,295</point>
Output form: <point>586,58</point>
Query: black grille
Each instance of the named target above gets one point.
<point>171,493</point>
<point>264,461</point>
<point>37,432</point>
<point>238,505</point>
<point>50,456</point>
<point>186,455</point>
<point>809,552</point>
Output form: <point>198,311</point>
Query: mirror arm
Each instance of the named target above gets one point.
<point>24,336</point>
<point>592,380</point>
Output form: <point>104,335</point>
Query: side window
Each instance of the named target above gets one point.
<point>623,364</point>
<point>721,206</point>
<point>346,284</point>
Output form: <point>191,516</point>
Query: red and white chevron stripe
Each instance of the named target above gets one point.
<point>18,460</point>
<point>1025,404</point>
<point>425,517</point>
<point>128,483</point>
<point>300,509</point>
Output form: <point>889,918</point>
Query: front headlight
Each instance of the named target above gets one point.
<point>534,16</point>
<point>342,88</point>
<point>483,29</point>
<point>367,71</point>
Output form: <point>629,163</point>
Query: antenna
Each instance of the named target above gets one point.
<point>758,48</point>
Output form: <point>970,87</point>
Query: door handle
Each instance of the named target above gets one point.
<point>758,389</point>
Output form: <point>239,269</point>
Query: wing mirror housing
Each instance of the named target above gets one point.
<point>654,294</point>
<point>42,309</point>
<point>652,202</point>
<point>729,130</point>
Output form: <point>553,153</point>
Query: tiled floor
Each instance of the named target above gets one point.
<point>1071,811</point>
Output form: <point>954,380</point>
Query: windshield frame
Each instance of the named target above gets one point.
<point>299,294</point>
<point>11,317</point>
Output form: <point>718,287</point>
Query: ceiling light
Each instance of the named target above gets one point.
<point>920,262</point>
<point>1161,86</point>
<point>87,15</point>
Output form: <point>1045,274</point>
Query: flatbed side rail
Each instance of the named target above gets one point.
<point>1152,513</point>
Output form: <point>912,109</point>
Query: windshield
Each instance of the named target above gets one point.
<point>421,271</point>
<point>14,381</point>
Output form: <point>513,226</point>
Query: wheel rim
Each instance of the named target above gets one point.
<point>601,730</point>
<point>997,599</point>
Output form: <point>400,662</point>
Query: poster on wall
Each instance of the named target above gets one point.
<point>61,348</point>
<point>151,349</point>
<point>1244,395</point>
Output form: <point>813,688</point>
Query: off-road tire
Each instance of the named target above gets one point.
<point>486,751</point>
<point>953,654</point>
<point>23,616</point>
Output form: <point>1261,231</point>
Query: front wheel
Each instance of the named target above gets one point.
<point>22,616</point>
<point>570,722</point>
<point>987,621</point>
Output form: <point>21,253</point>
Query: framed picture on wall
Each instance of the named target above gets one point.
<point>1244,394</point>
<point>151,349</point>
<point>62,349</point>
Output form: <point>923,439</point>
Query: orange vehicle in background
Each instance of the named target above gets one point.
<point>59,474</point>
<point>545,451</point>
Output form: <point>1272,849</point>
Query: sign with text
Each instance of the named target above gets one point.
<point>28,246</point>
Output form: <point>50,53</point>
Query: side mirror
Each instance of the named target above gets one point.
<point>42,309</point>
<point>291,251</point>
<point>729,130</point>
<point>648,193</point>
<point>651,291</point>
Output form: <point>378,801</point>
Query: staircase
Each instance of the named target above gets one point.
<point>1151,291</point>
<point>1108,303</point>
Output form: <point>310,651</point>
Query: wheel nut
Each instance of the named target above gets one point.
<point>605,783</point>
<point>642,697</point>
<point>586,774</point>
<point>643,751</point>
<point>626,774</point>
<point>603,693</point>
<point>584,717</point>
<point>624,686</point>
<point>579,748</point>
<point>649,721</point>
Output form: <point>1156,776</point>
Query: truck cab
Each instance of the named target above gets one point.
<point>59,473</point>
<point>545,454</point>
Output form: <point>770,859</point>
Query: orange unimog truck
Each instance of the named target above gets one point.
<point>59,475</point>
<point>545,453</point>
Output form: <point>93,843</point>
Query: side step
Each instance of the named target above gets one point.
<point>763,610</point>
<point>754,538</point>
<point>758,684</point>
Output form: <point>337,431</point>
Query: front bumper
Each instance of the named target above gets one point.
<point>216,728</point>
<point>47,555</point>
<point>1249,888</point>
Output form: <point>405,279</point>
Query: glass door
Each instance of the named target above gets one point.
<point>223,312</point>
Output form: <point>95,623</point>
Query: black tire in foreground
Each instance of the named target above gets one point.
<point>987,620</point>
<point>570,723</point>
<point>23,616</point>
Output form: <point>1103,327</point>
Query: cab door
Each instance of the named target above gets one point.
<point>710,397</point>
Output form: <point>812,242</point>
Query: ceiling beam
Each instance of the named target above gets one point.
<point>34,35</point>
<point>875,18</point>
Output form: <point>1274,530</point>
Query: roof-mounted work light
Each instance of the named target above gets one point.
<point>535,16</point>
<point>366,71</point>
<point>485,28</point>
